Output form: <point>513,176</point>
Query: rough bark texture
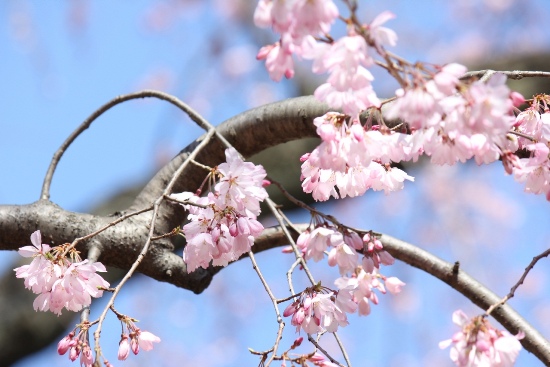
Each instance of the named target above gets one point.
<point>250,133</point>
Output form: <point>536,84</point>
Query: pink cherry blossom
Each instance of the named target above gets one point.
<point>278,61</point>
<point>480,344</point>
<point>123,348</point>
<point>313,17</point>
<point>222,225</point>
<point>86,357</point>
<point>360,287</point>
<point>344,256</point>
<point>319,360</point>
<point>241,184</point>
<point>66,343</point>
<point>349,84</point>
<point>319,309</point>
<point>146,340</point>
<point>381,35</point>
<point>58,282</point>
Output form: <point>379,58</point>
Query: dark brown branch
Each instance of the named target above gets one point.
<point>250,132</point>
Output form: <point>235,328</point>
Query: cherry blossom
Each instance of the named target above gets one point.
<point>381,35</point>
<point>480,344</point>
<point>317,310</point>
<point>359,289</point>
<point>278,61</point>
<point>123,348</point>
<point>297,21</point>
<point>58,282</point>
<point>223,224</point>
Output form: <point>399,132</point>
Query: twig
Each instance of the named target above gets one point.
<point>275,306</point>
<point>145,248</point>
<point>186,202</point>
<point>299,257</point>
<point>289,275</point>
<point>519,282</point>
<point>198,119</point>
<point>516,74</point>
<point>314,342</point>
<point>344,353</point>
<point>95,233</point>
<point>463,283</point>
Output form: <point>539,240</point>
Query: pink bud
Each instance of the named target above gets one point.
<point>298,317</point>
<point>86,358</point>
<point>215,233</point>
<point>353,240</point>
<point>370,246</point>
<point>289,310</point>
<point>123,348</point>
<point>74,352</point>
<point>307,302</point>
<point>332,257</point>
<point>266,183</point>
<point>287,250</point>
<point>517,99</point>
<point>233,231</point>
<point>134,345</point>
<point>65,343</point>
<point>357,131</point>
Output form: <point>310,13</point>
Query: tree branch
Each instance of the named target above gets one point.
<point>250,133</point>
<point>458,279</point>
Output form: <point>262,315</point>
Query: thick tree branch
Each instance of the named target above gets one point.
<point>250,133</point>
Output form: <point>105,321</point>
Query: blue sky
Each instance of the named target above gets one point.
<point>62,62</point>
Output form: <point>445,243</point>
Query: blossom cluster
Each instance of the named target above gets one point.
<point>319,308</point>
<point>480,344</point>
<point>354,160</point>
<point>223,224</point>
<point>134,340</point>
<point>77,346</point>
<point>447,119</point>
<point>59,282</point>
<point>534,126</point>
<point>300,23</point>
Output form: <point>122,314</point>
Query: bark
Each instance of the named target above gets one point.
<point>250,133</point>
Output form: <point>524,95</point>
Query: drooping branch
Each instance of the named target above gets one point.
<point>250,133</point>
<point>456,278</point>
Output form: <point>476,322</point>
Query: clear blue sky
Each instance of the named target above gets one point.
<point>62,62</point>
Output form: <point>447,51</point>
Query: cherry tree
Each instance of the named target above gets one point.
<point>211,196</point>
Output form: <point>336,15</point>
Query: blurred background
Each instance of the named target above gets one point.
<point>61,62</point>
